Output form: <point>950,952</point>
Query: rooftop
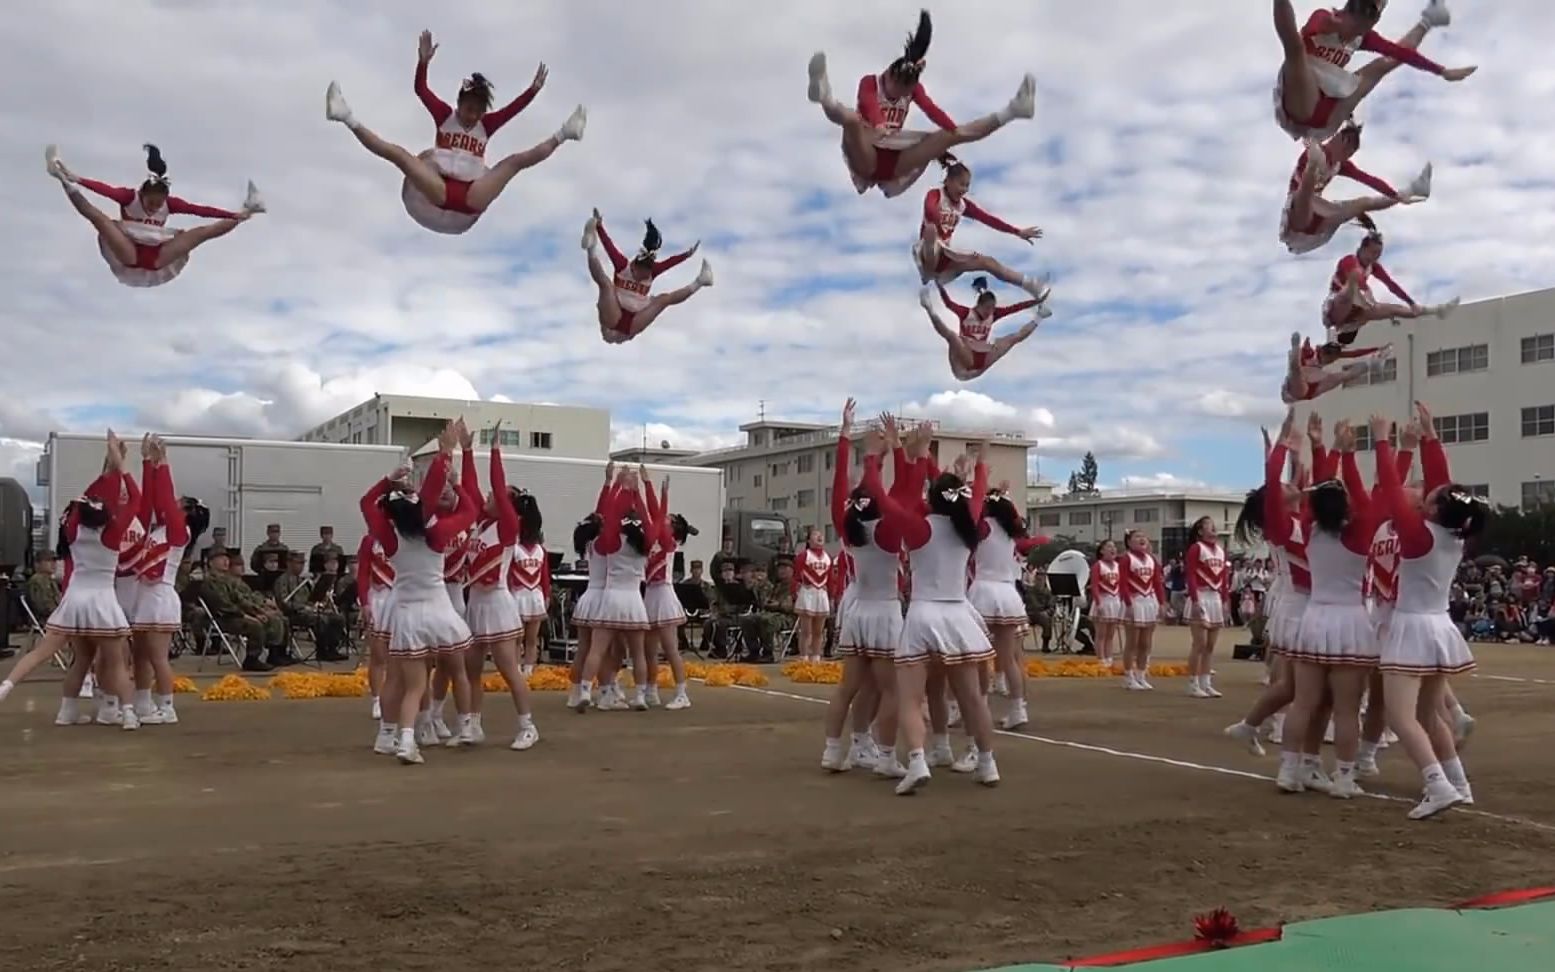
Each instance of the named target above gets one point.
<point>805,435</point>
<point>1124,495</point>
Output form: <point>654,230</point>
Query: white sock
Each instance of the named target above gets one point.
<point>1458,710</point>
<point>1433,774</point>
<point>859,738</point>
<point>526,721</point>
<point>1289,761</point>
<point>1249,726</point>
<point>1345,769</point>
<point>387,728</point>
<point>940,741</point>
<point>1453,770</point>
<point>407,739</point>
<point>1310,761</point>
<point>680,688</point>
<point>1368,752</point>
<point>1005,115</point>
<point>915,756</point>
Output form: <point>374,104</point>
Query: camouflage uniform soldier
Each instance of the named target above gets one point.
<point>43,592</point>
<point>243,612</point>
<point>269,558</point>
<point>294,595</point>
<point>1039,607</point>
<point>735,612</point>
<point>768,619</point>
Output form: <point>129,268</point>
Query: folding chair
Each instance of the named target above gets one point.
<point>37,632</point>
<point>785,641</point>
<point>213,630</point>
<point>696,622</point>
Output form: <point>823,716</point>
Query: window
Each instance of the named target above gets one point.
<point>1539,420</point>
<point>831,533</point>
<point>1049,519</point>
<point>806,463</point>
<point>1457,361</point>
<point>1363,441</point>
<point>539,440</point>
<point>1482,490</point>
<point>1540,347</point>
<point>507,437</point>
<point>769,532</point>
<point>806,499</point>
<point>778,504</point>
<point>828,497</point>
<point>831,460</point>
<point>780,468</point>
<point>1377,373</point>
<point>736,473</point>
<point>756,480</point>
<point>1540,492</point>
<point>1080,519</point>
<point>1146,514</point>
<point>736,502</point>
<point>1455,429</point>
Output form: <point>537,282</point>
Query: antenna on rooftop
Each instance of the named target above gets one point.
<point>761,410</point>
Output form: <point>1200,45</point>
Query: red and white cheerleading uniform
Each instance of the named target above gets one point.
<point>1209,583</point>
<point>459,154</point>
<point>374,585</point>
<point>1350,266</point>
<point>812,572</point>
<point>132,548</point>
<point>157,605</point>
<point>887,116</point>
<point>619,604</point>
<point>995,569</point>
<point>659,597</point>
<point>632,294</point>
<point>1106,591</point>
<point>839,583</point>
<point>89,607</point>
<point>1143,589</point>
<point>492,612</point>
<point>977,331</point>
<point>1328,55</point>
<point>941,215</point>
<point>529,578</point>
<point>456,561</point>
<point>147,229</point>
<point>1320,226</point>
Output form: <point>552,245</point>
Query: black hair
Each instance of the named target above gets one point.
<point>1330,505</point>
<point>652,240</point>
<point>529,519</point>
<point>984,292</point>
<point>1373,234</point>
<point>478,87</point>
<point>862,509</point>
<point>953,166</point>
<point>681,528</point>
<point>197,517</point>
<point>1249,522</point>
<point>1331,347</point>
<point>634,535</point>
<point>1461,512</point>
<point>1365,9</point>
<point>1352,129</point>
<point>157,166</point>
<point>1196,530</point>
<point>585,533</point>
<point>62,541</point>
<point>958,509</point>
<point>405,514</point>
<point>1002,510</point>
<point>909,66</point>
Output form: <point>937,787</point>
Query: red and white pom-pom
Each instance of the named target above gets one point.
<point>1216,929</point>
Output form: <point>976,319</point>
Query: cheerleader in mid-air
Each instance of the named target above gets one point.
<point>942,212</point>
<point>626,307</point>
<point>1313,93</point>
<point>1309,220</point>
<point>1350,305</point>
<point>969,349</point>
<point>878,151</point>
<point>448,187</point>
<point>1307,375</point>
<point>138,247</point>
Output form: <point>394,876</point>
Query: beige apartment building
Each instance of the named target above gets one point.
<point>1164,517</point>
<point>788,467</point>
<point>410,421</point>
<point>1488,375</point>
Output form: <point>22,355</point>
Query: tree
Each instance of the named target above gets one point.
<point>1043,555</point>
<point>1082,482</point>
<point>1513,533</point>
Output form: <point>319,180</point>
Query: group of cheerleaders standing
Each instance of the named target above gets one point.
<point>122,545</point>
<point>1358,619</point>
<point>1315,99</point>
<point>448,577</point>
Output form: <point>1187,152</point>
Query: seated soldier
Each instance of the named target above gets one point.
<point>696,597</point>
<point>1039,607</point>
<point>240,611</point>
<point>734,607</point>
<point>308,604</point>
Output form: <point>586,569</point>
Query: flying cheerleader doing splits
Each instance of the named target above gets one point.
<point>626,306</point>
<point>1307,377</point>
<point>878,151</point>
<point>1313,93</point>
<point>942,212</point>
<point>1350,305</point>
<point>448,187</point>
<point>1309,221</point>
<point>968,348</point>
<point>138,247</point>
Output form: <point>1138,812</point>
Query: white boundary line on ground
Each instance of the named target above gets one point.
<point>1513,678</point>
<point>1167,761</point>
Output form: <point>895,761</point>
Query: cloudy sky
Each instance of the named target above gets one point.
<point>1153,165</point>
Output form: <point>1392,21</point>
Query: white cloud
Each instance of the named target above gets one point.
<point>1163,480</point>
<point>1157,188</point>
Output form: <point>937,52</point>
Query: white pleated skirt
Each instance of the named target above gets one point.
<point>997,602</point>
<point>1207,610</point>
<point>663,606</point>
<point>456,597</point>
<point>492,615</point>
<point>127,591</point>
<point>378,610</point>
<point>89,612</point>
<point>619,610</point>
<point>1336,634</point>
<point>870,628</point>
<point>950,632</point>
<point>1144,611</point>
<point>423,627</point>
<point>158,608</point>
<point>143,235</point>
<point>1425,644</point>
<point>901,181</point>
<point>812,601</point>
<point>583,608</point>
<point>1381,617</point>
<point>449,222</point>
<point>1284,627</point>
<point>531,603</point>
<point>1109,607</point>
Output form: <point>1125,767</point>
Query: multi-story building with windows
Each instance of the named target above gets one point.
<point>410,421</point>
<point>1488,375</point>
<point>1163,516</point>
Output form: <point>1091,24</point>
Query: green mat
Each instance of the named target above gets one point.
<point>1517,939</point>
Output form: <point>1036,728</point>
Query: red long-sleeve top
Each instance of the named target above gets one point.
<point>619,260</point>
<point>910,520</point>
<point>1142,582</point>
<point>485,563</point>
<point>618,503</point>
<point>1414,538</point>
<point>124,196</point>
<point>160,504</point>
<point>890,114</point>
<point>441,529</point>
<point>1351,266</point>
<point>472,141</point>
<point>663,552</point>
<point>1322,41</point>
<point>1346,169</point>
<point>941,216</point>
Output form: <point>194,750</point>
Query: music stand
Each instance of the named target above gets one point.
<point>693,600</point>
<point>1066,598</point>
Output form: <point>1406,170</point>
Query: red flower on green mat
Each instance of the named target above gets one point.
<point>1216,929</point>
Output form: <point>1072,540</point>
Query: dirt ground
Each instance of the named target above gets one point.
<point>266,835</point>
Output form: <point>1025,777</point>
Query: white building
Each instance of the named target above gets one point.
<point>1487,373</point>
<point>410,421</point>
<point>1163,516</point>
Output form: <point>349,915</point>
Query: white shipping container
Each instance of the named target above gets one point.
<point>246,483</point>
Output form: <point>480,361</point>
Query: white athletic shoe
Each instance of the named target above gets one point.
<point>1017,717</point>
<point>652,695</point>
<point>253,202</point>
<point>425,734</point>
<point>820,85</point>
<point>572,128</point>
<point>88,688</point>
<point>1289,779</point>
<point>408,753</point>
<point>151,718</point>
<point>1246,735</point>
<point>477,731</point>
<point>109,715</point>
<point>590,233</point>
<point>680,701</point>
<point>888,767</point>
<point>863,755</point>
<point>1196,690</point>
<point>335,107</point>
<point>131,721</point>
<point>705,275</point>
<point>1443,311</point>
<point>1462,727</point>
<point>1345,787</point>
<point>1420,186</point>
<point>1313,778</point>
<point>952,714</point>
<point>1143,681</point>
<point>1001,685</point>
<point>967,763</point>
<point>580,701</point>
<point>834,758</point>
<point>526,738</point>
<point>439,726</point>
<point>1209,688</point>
<point>1438,796</point>
<point>55,167</point>
<point>1277,728</point>
<point>940,756</point>
<point>1435,14</point>
<point>377,709</point>
<point>639,701</point>
<point>915,778</point>
<point>1467,793</point>
<point>1367,768</point>
<point>385,744</point>
<point>618,701</point>
<point>987,771</point>
<point>1328,733</point>
<point>1024,104</point>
